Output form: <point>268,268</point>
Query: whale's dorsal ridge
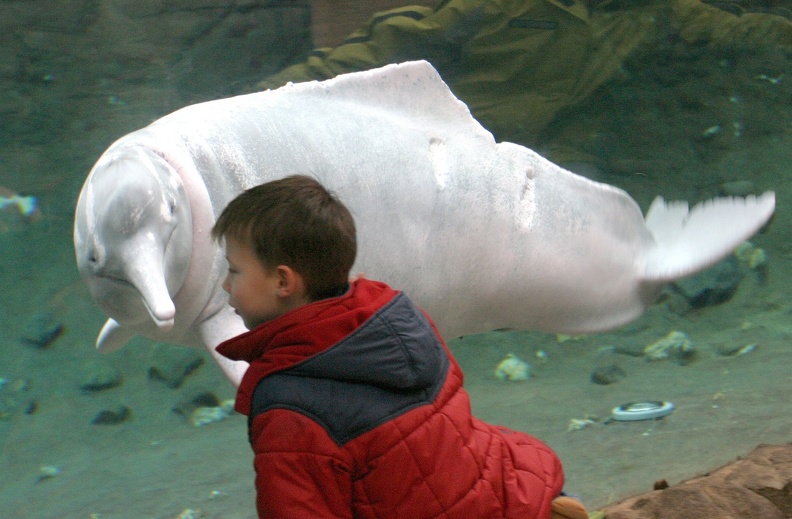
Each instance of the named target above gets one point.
<point>412,89</point>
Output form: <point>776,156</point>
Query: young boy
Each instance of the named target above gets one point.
<point>355,404</point>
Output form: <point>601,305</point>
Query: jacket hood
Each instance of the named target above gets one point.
<point>372,334</point>
<point>396,348</point>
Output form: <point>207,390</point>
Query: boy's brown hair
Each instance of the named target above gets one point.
<point>295,221</point>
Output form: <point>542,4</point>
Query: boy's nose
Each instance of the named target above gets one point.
<point>226,285</point>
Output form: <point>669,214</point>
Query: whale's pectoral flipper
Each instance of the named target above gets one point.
<point>113,336</point>
<point>221,326</point>
<point>687,241</point>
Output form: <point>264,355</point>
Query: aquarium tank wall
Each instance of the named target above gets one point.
<point>685,99</point>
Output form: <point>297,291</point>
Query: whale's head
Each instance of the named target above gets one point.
<point>133,237</point>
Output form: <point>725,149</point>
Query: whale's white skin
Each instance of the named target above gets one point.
<point>482,235</point>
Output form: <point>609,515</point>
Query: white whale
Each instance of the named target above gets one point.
<point>482,235</point>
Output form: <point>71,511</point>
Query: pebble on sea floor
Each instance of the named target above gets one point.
<point>735,350</point>
<point>47,472</point>
<point>576,424</point>
<point>42,330</point>
<point>605,375</point>
<point>112,416</point>
<point>676,346</point>
<point>513,369</point>
<point>205,415</point>
<point>171,365</point>
<point>750,255</point>
<point>100,376</point>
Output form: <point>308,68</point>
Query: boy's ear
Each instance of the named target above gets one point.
<point>290,282</point>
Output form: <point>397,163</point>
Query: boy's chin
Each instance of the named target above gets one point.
<point>251,323</point>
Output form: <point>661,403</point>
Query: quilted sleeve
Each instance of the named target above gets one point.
<point>300,470</point>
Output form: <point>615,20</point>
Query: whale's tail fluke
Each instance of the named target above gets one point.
<point>690,240</point>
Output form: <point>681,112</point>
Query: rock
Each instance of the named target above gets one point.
<point>262,39</point>
<point>631,347</point>
<point>755,259</point>
<point>48,472</point>
<point>715,285</point>
<point>42,330</point>
<point>334,20</point>
<point>756,487</point>
<point>677,303</point>
<point>112,416</point>
<point>206,415</point>
<point>92,63</point>
<point>513,369</point>
<point>147,9</point>
<point>100,376</point>
<point>172,364</point>
<point>30,407</point>
<point>55,16</point>
<point>676,346</point>
<point>735,349</point>
<point>606,375</point>
<point>14,397</point>
<point>202,399</point>
<point>204,408</point>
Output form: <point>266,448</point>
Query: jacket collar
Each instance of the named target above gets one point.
<point>302,333</point>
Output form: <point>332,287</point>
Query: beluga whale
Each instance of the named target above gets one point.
<point>481,234</point>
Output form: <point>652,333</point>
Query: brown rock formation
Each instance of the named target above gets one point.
<point>333,20</point>
<point>758,486</point>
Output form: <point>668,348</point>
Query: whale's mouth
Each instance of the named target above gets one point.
<point>109,278</point>
<point>118,299</point>
<point>165,320</point>
<point>114,295</point>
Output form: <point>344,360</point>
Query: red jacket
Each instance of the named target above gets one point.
<point>357,410</point>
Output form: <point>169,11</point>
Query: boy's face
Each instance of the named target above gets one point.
<point>258,294</point>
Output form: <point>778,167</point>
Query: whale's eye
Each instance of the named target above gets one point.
<point>170,200</point>
<point>168,209</point>
<point>94,256</point>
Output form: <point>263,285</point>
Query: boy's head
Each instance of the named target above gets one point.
<point>296,222</point>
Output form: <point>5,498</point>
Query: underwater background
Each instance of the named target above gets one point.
<point>85,435</point>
